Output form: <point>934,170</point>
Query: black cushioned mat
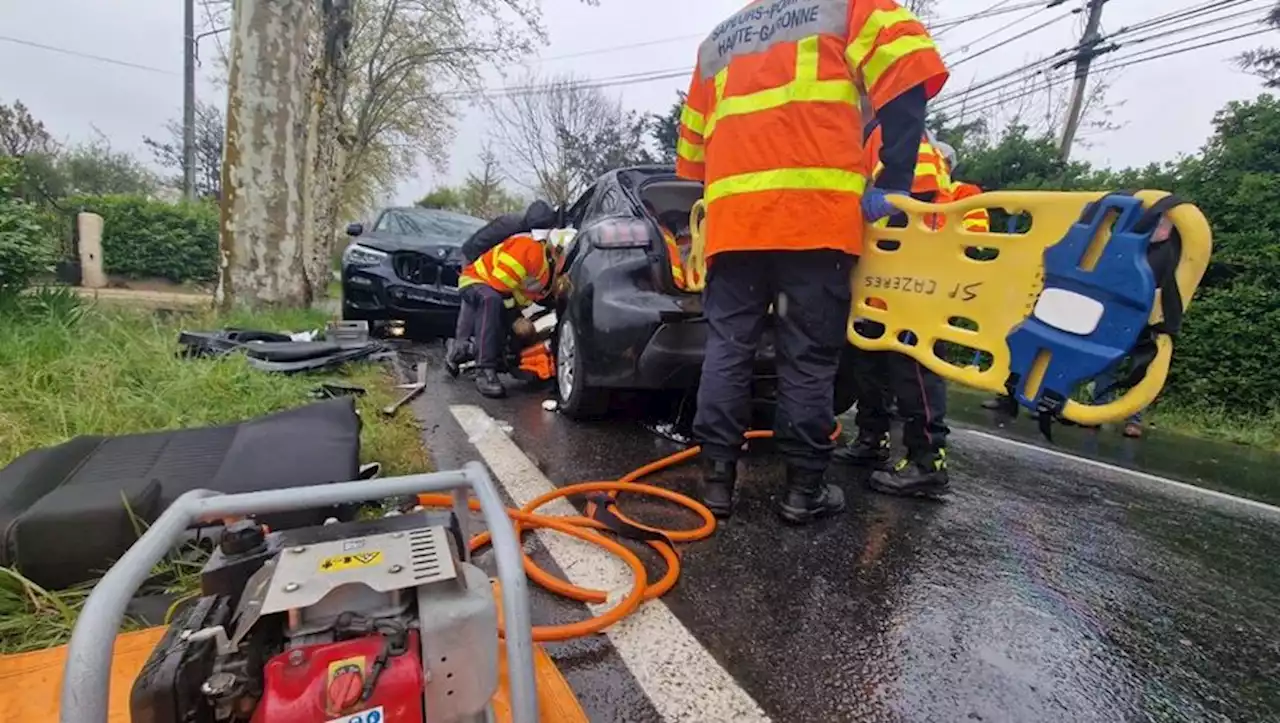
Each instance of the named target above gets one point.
<point>65,510</point>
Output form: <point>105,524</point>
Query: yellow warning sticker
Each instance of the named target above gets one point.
<point>346,665</point>
<point>338,563</point>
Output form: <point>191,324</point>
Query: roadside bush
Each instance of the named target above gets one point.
<point>1225,357</point>
<point>25,246</point>
<point>146,238</point>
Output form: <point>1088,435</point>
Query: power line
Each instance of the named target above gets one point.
<point>1115,64</point>
<point>616,48</point>
<point>944,28</point>
<point>1131,60</point>
<point>1028,72</point>
<point>1201,35</point>
<point>1018,76</point>
<point>586,84</point>
<point>1025,71</point>
<point>1005,100</point>
<point>86,56</point>
<point>655,75</point>
<point>982,15</point>
<point>962,104</point>
<point>941,24</point>
<point>1179,15</point>
<point>1195,25</point>
<point>1036,29</point>
<point>998,31</point>
<point>977,91</point>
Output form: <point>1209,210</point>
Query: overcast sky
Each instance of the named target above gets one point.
<point>1165,106</point>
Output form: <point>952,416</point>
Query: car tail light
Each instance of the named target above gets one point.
<point>621,233</point>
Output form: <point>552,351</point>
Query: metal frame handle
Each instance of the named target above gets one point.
<point>86,678</point>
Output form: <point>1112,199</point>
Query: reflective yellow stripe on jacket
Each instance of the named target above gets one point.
<point>796,179</point>
<point>978,221</point>
<point>773,107</point>
<point>806,88</point>
<point>677,264</point>
<point>504,272</point>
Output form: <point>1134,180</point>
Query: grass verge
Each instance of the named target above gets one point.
<point>68,369</point>
<point>1262,430</point>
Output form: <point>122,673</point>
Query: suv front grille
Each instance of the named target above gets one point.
<point>423,270</point>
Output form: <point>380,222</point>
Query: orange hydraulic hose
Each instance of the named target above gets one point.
<point>588,530</point>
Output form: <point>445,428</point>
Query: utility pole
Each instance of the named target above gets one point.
<point>1085,53</point>
<point>189,99</point>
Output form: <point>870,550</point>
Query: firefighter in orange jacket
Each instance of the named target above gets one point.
<point>882,377</point>
<point>677,260</point>
<point>669,224</point>
<point>977,220</point>
<point>516,270</point>
<point>771,127</point>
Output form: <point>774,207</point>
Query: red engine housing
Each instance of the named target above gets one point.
<point>309,684</point>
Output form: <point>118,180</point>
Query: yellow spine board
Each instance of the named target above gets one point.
<point>928,283</point>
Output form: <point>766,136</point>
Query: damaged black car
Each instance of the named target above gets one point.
<point>623,321</point>
<point>405,269</point>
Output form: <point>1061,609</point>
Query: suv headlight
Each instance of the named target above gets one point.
<point>357,255</point>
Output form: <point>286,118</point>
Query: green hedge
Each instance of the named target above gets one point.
<point>142,238</point>
<point>26,247</point>
<point>1225,356</point>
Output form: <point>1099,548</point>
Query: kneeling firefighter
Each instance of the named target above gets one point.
<point>883,377</point>
<point>772,127</point>
<point>511,274</point>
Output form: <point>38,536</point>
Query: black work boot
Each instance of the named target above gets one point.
<point>869,449</point>
<point>489,385</point>
<point>923,474</point>
<point>718,480</point>
<point>809,498</point>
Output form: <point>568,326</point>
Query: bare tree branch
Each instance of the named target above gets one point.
<point>540,132</point>
<point>407,60</point>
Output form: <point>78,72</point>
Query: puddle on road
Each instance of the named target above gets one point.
<point>1232,468</point>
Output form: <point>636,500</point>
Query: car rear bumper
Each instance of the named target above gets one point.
<point>673,357</point>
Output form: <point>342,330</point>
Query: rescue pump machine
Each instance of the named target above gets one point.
<point>378,621</point>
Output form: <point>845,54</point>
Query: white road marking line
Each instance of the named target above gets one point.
<point>681,678</point>
<point>1145,476</point>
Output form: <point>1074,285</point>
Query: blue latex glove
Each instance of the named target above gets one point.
<point>876,205</point>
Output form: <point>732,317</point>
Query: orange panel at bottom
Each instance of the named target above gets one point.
<point>30,683</point>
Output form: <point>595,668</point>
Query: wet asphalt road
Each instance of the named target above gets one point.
<point>1043,590</point>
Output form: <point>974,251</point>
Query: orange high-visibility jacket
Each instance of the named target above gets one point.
<point>517,267</point>
<point>977,220</point>
<point>772,124</point>
<point>931,174</point>
<point>677,263</point>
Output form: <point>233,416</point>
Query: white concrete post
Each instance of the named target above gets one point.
<point>89,231</point>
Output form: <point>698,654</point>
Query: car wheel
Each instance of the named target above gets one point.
<point>577,400</point>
